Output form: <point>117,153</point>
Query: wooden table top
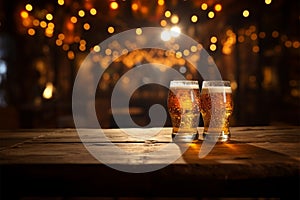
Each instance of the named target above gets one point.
<point>257,162</point>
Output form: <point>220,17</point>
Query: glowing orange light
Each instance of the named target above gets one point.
<point>204,6</point>
<point>114,5</point>
<point>111,29</point>
<point>31,31</point>
<point>246,13</point>
<point>163,23</point>
<point>86,26</point>
<point>211,14</point>
<point>160,2</point>
<point>61,2</point>
<point>81,13</point>
<point>73,19</point>
<point>194,18</point>
<point>28,7</point>
<point>218,7</point>
<point>93,11</point>
<point>134,6</point>
<point>24,14</point>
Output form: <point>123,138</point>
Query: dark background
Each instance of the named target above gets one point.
<point>259,54</point>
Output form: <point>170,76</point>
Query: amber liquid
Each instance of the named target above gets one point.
<point>216,109</point>
<point>184,110</point>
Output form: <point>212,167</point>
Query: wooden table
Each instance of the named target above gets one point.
<point>257,162</point>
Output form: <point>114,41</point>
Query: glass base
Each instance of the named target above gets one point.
<point>217,137</point>
<point>185,137</point>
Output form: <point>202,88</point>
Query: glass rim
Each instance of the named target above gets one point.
<point>216,83</point>
<point>184,83</point>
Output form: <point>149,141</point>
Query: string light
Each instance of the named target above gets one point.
<point>174,19</point>
<point>204,6</point>
<point>111,29</point>
<point>134,6</point>
<point>211,14</point>
<point>194,18</point>
<point>246,13</point>
<point>93,11</point>
<point>49,16</point>
<point>28,7</point>
<point>168,14</point>
<point>60,2</point>
<point>114,5</point>
<point>218,7</point>
<point>81,13</point>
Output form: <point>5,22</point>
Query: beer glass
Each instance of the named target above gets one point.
<point>184,109</point>
<point>216,109</point>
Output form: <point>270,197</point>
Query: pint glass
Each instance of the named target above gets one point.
<point>184,109</point>
<point>216,109</point>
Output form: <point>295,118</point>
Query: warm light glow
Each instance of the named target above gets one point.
<point>163,23</point>
<point>213,47</point>
<point>175,31</point>
<point>111,29</point>
<point>204,6</point>
<point>218,7</point>
<point>193,49</point>
<point>82,47</point>
<point>246,13</point>
<point>51,25</point>
<point>73,19</point>
<point>194,18</point>
<point>49,16</point>
<point>49,32</point>
<point>86,26</point>
<point>61,2</point>
<point>108,52</point>
<point>160,2</point>
<point>58,42</point>
<point>262,35</point>
<point>93,11</point>
<point>138,31</point>
<point>211,14</point>
<point>268,2</point>
<point>288,44</point>
<point>174,19</point>
<point>71,55</point>
<point>296,44</point>
<point>213,39</point>
<point>81,13</point>
<point>186,52</point>
<point>255,49</point>
<point>65,47</point>
<point>241,38</point>
<point>253,36</point>
<point>82,42</point>
<point>31,31</point>
<point>178,54</point>
<point>43,24</point>
<point>114,5</point>
<point>61,36</point>
<point>275,34</point>
<point>36,22</point>
<point>168,14</point>
<point>24,14</point>
<point>165,35</point>
<point>134,6</point>
<point>28,7</point>
<point>97,48</point>
<point>48,92</point>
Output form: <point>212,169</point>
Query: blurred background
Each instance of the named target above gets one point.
<point>255,44</point>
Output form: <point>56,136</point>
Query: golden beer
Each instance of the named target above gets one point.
<point>184,109</point>
<point>216,109</point>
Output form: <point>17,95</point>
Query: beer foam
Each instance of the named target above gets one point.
<point>184,86</point>
<point>218,89</point>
